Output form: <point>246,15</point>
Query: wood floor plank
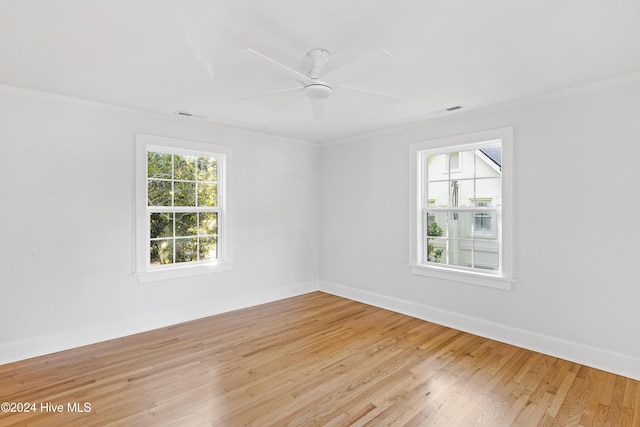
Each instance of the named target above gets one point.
<point>316,359</point>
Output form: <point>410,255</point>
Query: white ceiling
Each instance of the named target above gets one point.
<point>168,55</point>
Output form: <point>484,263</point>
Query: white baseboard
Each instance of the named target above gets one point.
<point>78,337</point>
<point>617,363</point>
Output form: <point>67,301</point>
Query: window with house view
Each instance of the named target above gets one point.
<point>182,212</point>
<point>459,206</point>
<point>467,201</point>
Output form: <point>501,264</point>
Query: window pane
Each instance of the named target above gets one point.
<point>460,252</point>
<point>490,188</point>
<point>185,193</point>
<point>482,222</point>
<point>488,162</point>
<point>158,193</point>
<point>208,248</point>
<point>436,167</point>
<point>486,254</point>
<point>461,192</point>
<point>161,252</point>
<point>440,221</point>
<point>185,167</point>
<point>467,165</point>
<point>158,165</point>
<point>208,223</point>
<point>435,250</point>
<point>439,193</point>
<point>186,250</point>
<point>457,224</point>
<point>454,160</point>
<point>207,194</point>
<point>435,228</point>
<point>186,224</point>
<point>207,169</point>
<point>161,225</point>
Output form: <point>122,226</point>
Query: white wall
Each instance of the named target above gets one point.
<point>67,247</point>
<point>67,214</point>
<point>576,232</point>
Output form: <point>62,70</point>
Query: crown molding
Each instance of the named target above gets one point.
<point>528,100</point>
<point>165,116</point>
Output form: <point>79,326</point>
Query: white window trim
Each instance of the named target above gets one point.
<point>146,273</point>
<point>502,279</point>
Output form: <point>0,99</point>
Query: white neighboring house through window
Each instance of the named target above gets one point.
<point>483,221</point>
<point>453,162</point>
<point>461,208</point>
<point>182,208</point>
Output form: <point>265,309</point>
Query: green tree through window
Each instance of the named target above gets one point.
<point>182,201</point>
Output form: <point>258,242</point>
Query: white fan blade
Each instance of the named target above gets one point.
<point>317,106</point>
<point>281,67</point>
<point>366,94</point>
<point>368,54</point>
<point>272,92</point>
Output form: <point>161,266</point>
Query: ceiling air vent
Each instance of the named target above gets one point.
<point>457,107</point>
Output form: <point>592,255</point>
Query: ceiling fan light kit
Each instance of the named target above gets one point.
<point>319,90</point>
<point>313,87</point>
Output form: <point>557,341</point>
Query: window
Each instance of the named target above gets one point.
<point>182,208</point>
<point>461,213</point>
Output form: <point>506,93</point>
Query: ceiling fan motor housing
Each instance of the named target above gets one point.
<point>318,57</point>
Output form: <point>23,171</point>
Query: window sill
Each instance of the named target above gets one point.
<point>182,271</point>
<point>488,280</point>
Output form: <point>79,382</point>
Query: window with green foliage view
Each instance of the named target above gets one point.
<point>183,208</point>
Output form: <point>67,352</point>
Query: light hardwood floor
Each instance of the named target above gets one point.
<point>315,359</point>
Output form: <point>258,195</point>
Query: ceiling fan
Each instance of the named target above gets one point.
<point>314,87</point>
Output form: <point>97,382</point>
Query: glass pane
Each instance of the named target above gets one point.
<point>208,223</point>
<point>207,169</point>
<point>439,218</point>
<point>435,227</point>
<point>436,167</point>
<point>486,255</point>
<point>490,189</point>
<point>158,165</point>
<point>460,252</point>
<point>207,194</point>
<point>483,223</point>
<point>454,160</point>
<point>462,193</point>
<point>185,193</point>
<point>186,224</point>
<point>435,250</point>
<point>161,252</point>
<point>459,224</point>
<point>159,193</point>
<point>187,250</point>
<point>466,165</point>
<point>208,248</point>
<point>185,167</point>
<point>161,225</point>
<point>438,193</point>
<point>488,162</point>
